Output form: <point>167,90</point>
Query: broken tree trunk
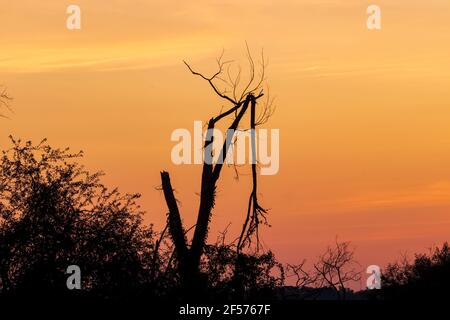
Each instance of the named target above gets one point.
<point>189,257</point>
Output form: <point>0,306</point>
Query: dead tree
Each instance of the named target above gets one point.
<point>336,268</point>
<point>242,99</point>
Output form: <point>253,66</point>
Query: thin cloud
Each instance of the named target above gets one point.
<point>107,57</point>
<point>433,194</point>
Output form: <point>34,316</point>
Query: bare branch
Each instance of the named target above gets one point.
<point>252,86</point>
<point>211,79</point>
<point>255,213</point>
<point>336,268</point>
<point>303,278</point>
<point>4,101</point>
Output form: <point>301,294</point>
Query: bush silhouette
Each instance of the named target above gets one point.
<point>233,275</point>
<point>427,277</point>
<point>53,213</point>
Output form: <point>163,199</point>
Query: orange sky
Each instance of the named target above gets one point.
<point>363,115</point>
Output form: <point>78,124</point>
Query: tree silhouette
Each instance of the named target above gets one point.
<point>236,275</point>
<point>303,277</point>
<point>4,100</point>
<point>426,277</point>
<point>336,267</point>
<point>243,99</point>
<point>53,213</point>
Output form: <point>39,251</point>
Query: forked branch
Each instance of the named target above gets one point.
<point>4,100</point>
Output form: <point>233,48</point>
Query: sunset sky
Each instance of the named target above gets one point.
<point>364,116</point>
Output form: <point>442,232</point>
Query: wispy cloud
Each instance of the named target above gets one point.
<point>105,57</point>
<point>437,193</point>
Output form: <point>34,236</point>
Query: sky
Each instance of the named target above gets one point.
<point>363,114</point>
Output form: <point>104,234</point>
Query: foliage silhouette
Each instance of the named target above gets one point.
<point>54,213</point>
<point>426,277</point>
<point>335,269</point>
<point>233,275</point>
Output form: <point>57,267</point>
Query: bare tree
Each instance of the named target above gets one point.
<point>242,97</point>
<point>303,277</point>
<point>4,100</point>
<point>336,268</point>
